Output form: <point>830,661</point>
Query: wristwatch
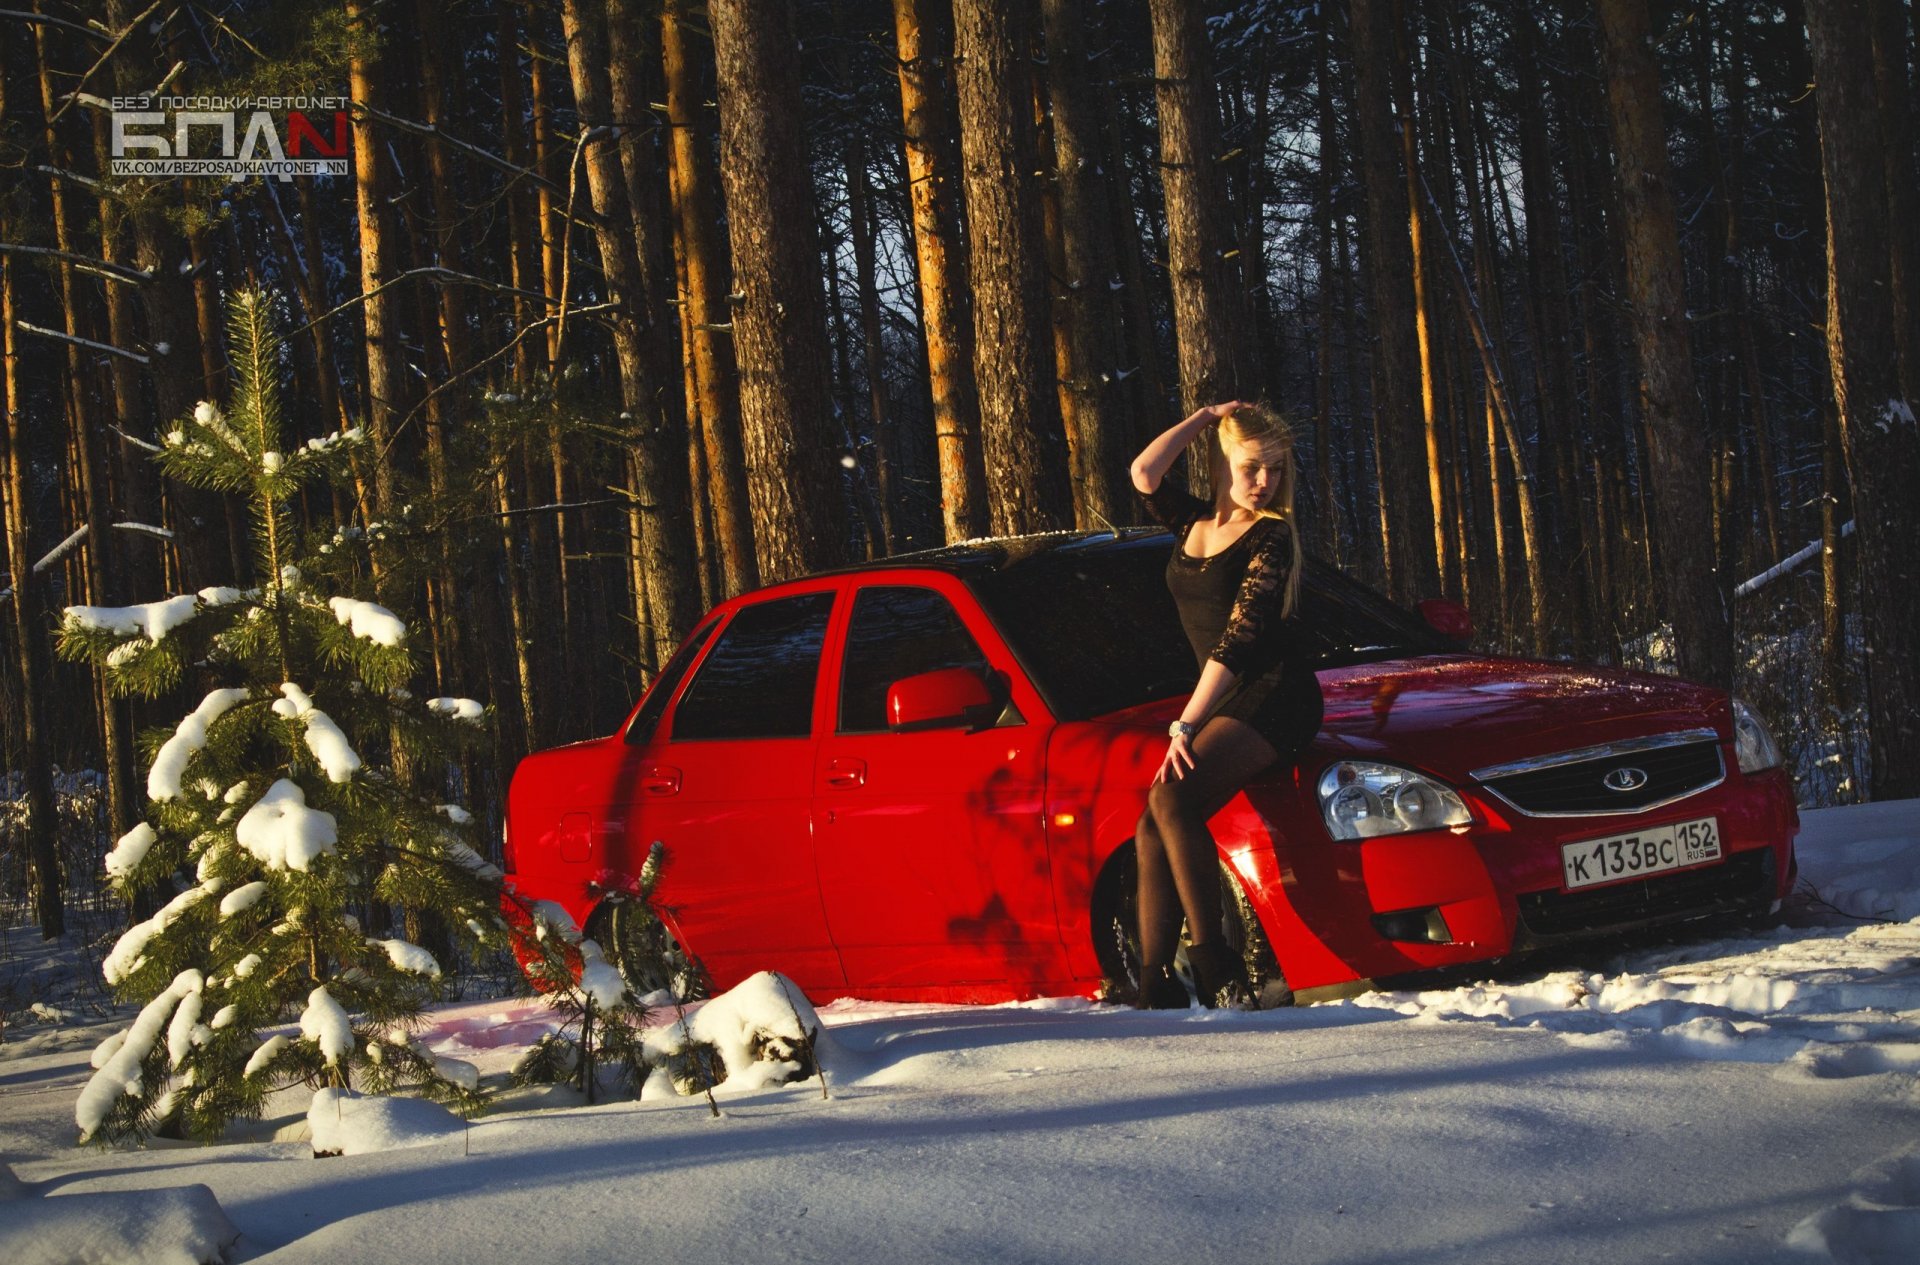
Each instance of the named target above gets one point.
<point>1179,729</point>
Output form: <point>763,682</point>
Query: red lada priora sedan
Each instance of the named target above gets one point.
<point>918,780</point>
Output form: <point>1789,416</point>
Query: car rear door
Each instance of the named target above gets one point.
<point>725,785</point>
<point>931,845</point>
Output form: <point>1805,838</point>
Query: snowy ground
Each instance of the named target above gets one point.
<point>1715,1100</point>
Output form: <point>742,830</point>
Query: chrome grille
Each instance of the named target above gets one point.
<point>1666,767</point>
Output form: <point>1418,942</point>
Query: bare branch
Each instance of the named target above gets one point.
<point>112,48</point>
<point>73,176</point>
<point>484,156</point>
<point>62,23</point>
<point>85,263</point>
<point>83,342</point>
<point>434,271</point>
<point>62,549</point>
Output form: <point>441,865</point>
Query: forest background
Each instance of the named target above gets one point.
<point>1587,312</point>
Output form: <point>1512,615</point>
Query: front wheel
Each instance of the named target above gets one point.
<point>1116,932</point>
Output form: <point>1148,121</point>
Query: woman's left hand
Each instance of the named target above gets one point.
<point>1179,751</point>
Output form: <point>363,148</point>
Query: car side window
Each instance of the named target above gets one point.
<point>647,719</point>
<point>896,632</point>
<point>758,680</point>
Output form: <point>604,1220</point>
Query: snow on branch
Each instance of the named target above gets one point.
<point>1785,565</point>
<point>162,533</point>
<point>62,549</point>
<point>111,350</point>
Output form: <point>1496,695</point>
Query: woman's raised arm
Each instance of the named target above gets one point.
<point>1158,457</point>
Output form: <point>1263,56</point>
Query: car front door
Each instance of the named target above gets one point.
<point>724,785</point>
<point>931,845</point>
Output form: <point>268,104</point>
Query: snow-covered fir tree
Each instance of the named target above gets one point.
<point>267,818</point>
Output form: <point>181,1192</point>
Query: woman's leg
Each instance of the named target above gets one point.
<point>1159,901</point>
<point>1228,754</point>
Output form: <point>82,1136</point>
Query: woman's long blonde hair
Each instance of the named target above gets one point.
<point>1252,424</point>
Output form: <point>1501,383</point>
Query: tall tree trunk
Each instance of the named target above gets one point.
<point>1022,443</point>
<point>1206,299</point>
<point>863,226</point>
<point>1091,390</point>
<point>926,103</point>
<point>377,309</point>
<point>780,331</point>
<point>659,451</point>
<point>29,625</point>
<point>1876,411</point>
<point>1406,498</point>
<point>692,183</point>
<point>1417,253</point>
<point>1693,589</point>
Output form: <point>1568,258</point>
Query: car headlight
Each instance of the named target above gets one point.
<point>1359,800</point>
<point>1751,741</point>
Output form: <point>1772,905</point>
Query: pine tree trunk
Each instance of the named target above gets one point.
<point>692,182</point>
<point>1022,443</point>
<point>926,103</point>
<point>1090,390</point>
<point>659,452</point>
<point>29,625</point>
<point>1214,365</point>
<point>1407,502</point>
<point>383,384</point>
<point>1693,590</point>
<point>1891,50</point>
<point>863,225</point>
<point>1327,179</point>
<point>1876,413</point>
<point>1417,250</point>
<point>780,333</point>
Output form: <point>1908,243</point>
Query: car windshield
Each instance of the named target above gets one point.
<point>1095,627</point>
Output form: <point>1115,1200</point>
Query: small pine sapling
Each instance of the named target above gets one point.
<point>264,806</point>
<point>601,1019</point>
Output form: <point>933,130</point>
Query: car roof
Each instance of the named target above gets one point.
<point>973,559</point>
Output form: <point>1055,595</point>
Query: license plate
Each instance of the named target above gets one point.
<point>1671,847</point>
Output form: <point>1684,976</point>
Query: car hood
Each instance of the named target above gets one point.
<point>1451,714</point>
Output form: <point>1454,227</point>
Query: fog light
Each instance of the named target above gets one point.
<point>1414,926</point>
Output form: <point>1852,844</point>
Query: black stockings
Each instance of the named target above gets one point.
<point>1179,867</point>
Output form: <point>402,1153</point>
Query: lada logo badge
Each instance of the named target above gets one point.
<point>1624,778</point>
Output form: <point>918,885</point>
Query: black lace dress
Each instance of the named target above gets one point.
<point>1229,604</point>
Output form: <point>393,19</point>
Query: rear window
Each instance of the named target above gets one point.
<point>1097,630</point>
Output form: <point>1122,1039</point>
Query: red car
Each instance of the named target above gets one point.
<point>918,780</point>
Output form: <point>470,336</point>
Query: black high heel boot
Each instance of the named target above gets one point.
<point>1161,989</point>
<point>1220,977</point>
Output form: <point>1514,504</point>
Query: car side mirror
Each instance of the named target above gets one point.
<point>950,697</point>
<point>1448,618</point>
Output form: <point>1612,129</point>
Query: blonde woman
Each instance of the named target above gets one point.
<point>1235,577</point>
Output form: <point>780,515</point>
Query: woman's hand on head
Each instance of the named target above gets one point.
<point>1178,762</point>
<point>1226,409</point>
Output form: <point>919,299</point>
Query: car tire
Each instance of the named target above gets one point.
<point>1116,944</point>
<point>644,951</point>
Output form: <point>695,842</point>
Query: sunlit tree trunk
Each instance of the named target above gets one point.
<point>1022,445</point>
<point>1214,365</point>
<point>780,335</point>
<point>1876,412</point>
<point>926,102</point>
<point>1407,502</point>
<point>702,248</point>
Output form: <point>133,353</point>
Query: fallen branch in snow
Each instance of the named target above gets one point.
<point>1814,898</point>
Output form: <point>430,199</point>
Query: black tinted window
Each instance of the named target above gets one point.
<point>1095,627</point>
<point>758,680</point>
<point>648,717</point>
<point>897,632</point>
